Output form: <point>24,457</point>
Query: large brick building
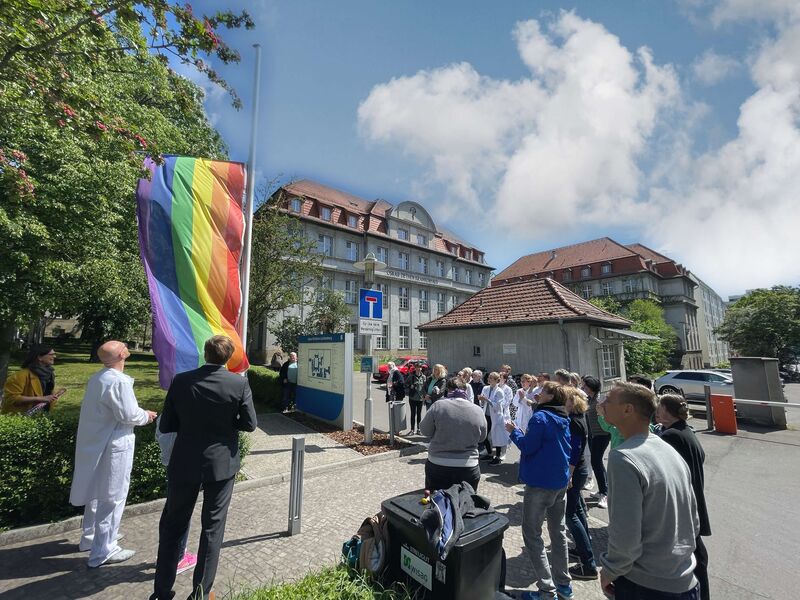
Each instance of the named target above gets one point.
<point>430,270</point>
<point>604,267</point>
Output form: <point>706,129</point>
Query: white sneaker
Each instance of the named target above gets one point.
<point>81,547</point>
<point>602,502</point>
<point>588,485</point>
<point>117,557</point>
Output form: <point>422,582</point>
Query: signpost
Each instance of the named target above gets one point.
<point>370,323</point>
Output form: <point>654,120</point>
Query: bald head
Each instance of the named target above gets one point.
<point>113,354</point>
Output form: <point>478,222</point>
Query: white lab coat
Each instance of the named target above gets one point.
<point>524,410</point>
<point>497,409</point>
<point>105,441</point>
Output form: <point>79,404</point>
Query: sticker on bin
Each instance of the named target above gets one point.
<point>441,571</point>
<point>416,566</point>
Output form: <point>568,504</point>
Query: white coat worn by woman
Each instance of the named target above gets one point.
<point>103,460</point>
<point>497,401</point>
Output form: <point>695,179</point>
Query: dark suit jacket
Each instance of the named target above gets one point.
<point>681,437</point>
<point>207,407</point>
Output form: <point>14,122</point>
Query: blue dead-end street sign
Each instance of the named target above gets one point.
<point>370,304</point>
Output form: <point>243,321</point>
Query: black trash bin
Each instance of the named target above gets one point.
<point>472,568</point>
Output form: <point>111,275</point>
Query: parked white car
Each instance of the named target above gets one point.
<point>690,384</point>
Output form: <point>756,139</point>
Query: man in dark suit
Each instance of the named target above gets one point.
<point>207,407</point>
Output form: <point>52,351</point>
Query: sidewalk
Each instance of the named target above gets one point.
<point>256,550</point>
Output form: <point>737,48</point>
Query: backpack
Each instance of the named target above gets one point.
<point>367,549</point>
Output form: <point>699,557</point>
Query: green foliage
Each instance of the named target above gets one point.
<point>283,262</point>
<point>331,583</point>
<point>765,323</point>
<point>286,333</point>
<point>265,385</point>
<point>645,357</point>
<point>329,313</point>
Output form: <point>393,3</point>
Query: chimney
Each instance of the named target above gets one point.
<point>553,255</point>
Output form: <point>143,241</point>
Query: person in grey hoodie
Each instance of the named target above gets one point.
<point>653,519</point>
<point>455,427</point>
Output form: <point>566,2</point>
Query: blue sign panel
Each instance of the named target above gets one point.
<point>366,364</point>
<point>370,304</point>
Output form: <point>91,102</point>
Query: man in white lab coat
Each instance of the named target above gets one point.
<point>104,454</point>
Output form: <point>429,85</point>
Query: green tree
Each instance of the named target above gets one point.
<point>85,88</point>
<point>765,323</point>
<point>286,333</point>
<point>283,262</point>
<point>646,357</point>
<point>329,313</point>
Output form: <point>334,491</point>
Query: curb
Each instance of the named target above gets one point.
<point>26,534</point>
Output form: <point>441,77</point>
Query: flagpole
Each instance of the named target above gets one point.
<point>248,212</point>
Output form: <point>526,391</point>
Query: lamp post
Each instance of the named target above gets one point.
<point>369,265</point>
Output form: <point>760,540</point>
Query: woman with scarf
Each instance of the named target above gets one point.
<point>32,388</point>
<point>435,385</point>
<point>395,385</point>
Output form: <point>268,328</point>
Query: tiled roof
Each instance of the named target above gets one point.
<point>312,189</point>
<point>531,301</point>
<point>565,257</point>
<point>648,253</point>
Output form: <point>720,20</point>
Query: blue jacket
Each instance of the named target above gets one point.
<point>545,449</point>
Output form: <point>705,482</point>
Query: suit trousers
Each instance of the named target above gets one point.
<point>181,498</point>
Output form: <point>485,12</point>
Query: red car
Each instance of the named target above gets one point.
<point>405,364</point>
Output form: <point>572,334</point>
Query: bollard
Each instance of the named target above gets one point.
<point>296,485</point>
<point>390,404</point>
<point>368,419</point>
<point>709,416</point>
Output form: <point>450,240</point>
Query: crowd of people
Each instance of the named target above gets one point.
<point>652,487</point>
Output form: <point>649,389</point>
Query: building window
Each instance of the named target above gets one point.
<point>453,301</point>
<point>468,254</point>
<point>382,287</point>
<point>586,272</point>
<point>453,249</point>
<point>455,273</point>
<point>352,221</point>
<point>476,351</point>
<point>402,234</point>
<point>295,205</point>
<point>440,268</point>
<point>402,293</point>
<point>402,260</point>
<point>325,245</point>
<point>351,250</point>
<point>422,240</point>
<point>383,254</point>
<point>440,302</point>
<point>468,277</point>
<point>606,288</point>
<point>423,265</point>
<point>382,341</point>
<point>605,268</point>
<point>423,300</point>
<point>610,368</point>
<point>402,343</point>
<point>325,283</point>
<point>351,291</point>
<point>423,340</point>
<point>480,279</point>
<point>631,285</point>
<point>325,213</point>
<point>567,275</point>
<point>587,291</point>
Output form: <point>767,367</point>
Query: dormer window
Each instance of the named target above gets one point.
<point>605,268</point>
<point>352,221</point>
<point>402,234</point>
<point>325,213</point>
<point>586,272</point>
<point>295,204</point>
<point>468,254</point>
<point>422,240</point>
<point>567,275</point>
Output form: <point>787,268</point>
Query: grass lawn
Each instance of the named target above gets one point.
<point>73,370</point>
<point>331,583</point>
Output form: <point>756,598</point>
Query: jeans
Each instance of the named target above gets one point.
<point>576,518</point>
<point>542,504</point>
<point>416,413</point>
<point>289,393</point>
<point>439,477</point>
<point>598,445</point>
<point>624,589</point>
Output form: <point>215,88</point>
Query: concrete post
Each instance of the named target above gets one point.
<point>709,416</point>
<point>296,484</point>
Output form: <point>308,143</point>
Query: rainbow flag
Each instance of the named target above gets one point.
<point>190,238</point>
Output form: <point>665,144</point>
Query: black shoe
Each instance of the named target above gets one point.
<point>487,457</point>
<point>496,461</point>
<point>581,572</point>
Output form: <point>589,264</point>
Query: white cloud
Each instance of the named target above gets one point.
<point>601,137</point>
<point>711,68</point>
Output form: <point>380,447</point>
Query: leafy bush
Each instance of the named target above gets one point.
<point>266,386</point>
<point>36,464</point>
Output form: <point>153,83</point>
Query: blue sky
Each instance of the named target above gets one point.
<point>543,119</point>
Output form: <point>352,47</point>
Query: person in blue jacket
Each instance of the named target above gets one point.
<point>544,469</point>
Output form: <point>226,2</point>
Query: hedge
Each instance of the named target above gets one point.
<point>265,384</point>
<point>36,463</point>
